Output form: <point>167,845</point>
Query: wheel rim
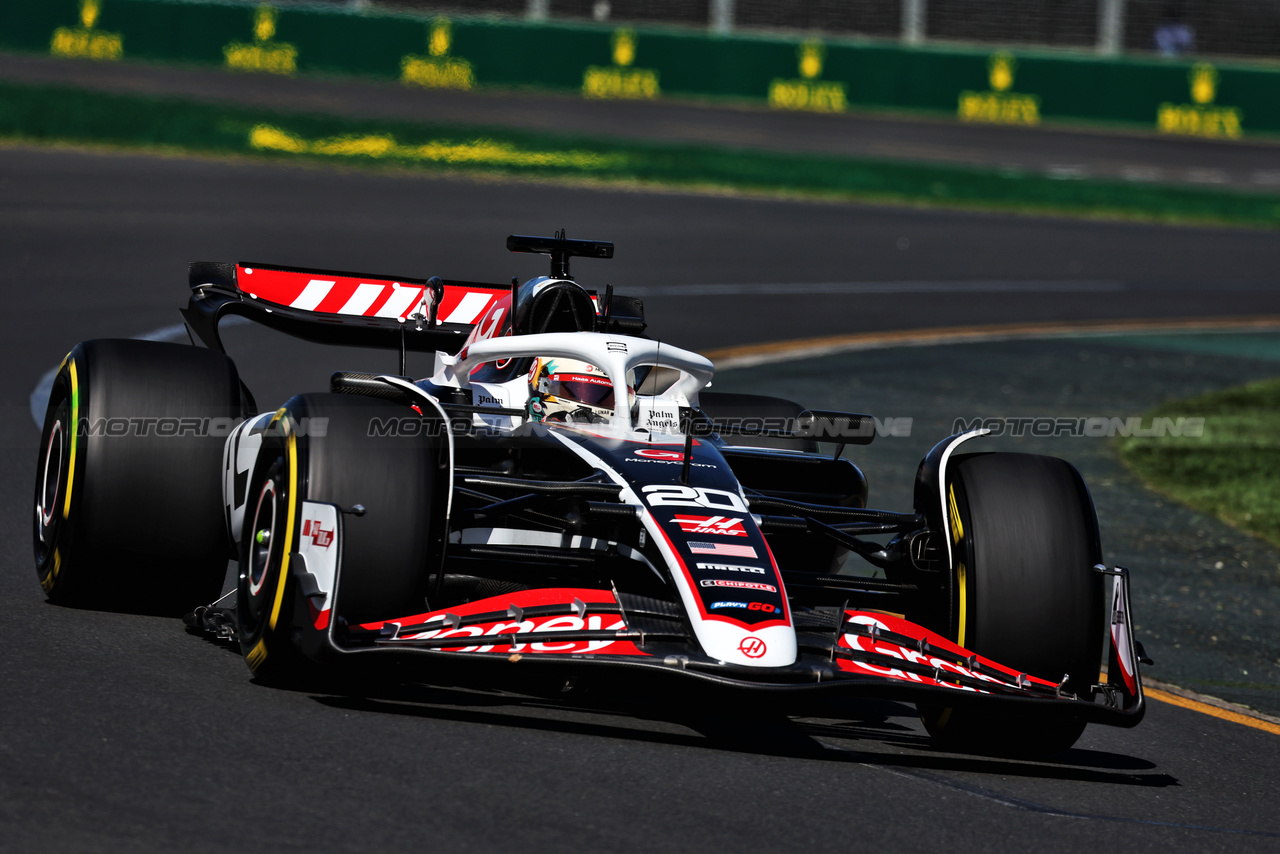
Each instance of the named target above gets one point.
<point>263,530</point>
<point>263,550</point>
<point>51,486</point>
<point>46,507</point>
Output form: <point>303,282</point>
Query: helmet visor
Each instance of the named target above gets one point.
<point>593,391</point>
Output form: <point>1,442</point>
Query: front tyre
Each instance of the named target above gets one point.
<point>342,450</point>
<point>265,597</point>
<point>1024,541</point>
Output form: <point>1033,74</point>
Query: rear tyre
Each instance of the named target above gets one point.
<point>1025,594</point>
<point>321,448</point>
<point>128,489</point>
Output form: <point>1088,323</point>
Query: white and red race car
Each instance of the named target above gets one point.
<point>564,500</point>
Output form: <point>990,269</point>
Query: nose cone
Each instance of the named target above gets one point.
<point>774,646</point>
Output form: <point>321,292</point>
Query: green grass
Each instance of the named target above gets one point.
<point>65,115</point>
<point>1232,471</point>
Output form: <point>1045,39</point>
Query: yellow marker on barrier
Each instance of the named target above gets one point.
<point>809,93</point>
<point>264,54</point>
<point>620,80</point>
<point>85,41</point>
<point>1201,118</point>
<point>437,70</point>
<point>999,105</point>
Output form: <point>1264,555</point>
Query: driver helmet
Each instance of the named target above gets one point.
<point>569,390</point>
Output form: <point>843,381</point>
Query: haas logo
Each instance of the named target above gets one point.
<point>722,525</point>
<point>319,536</point>
<point>752,647</point>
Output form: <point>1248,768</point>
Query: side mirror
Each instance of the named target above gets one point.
<point>843,428</point>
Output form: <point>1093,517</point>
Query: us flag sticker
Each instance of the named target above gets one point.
<point>722,549</point>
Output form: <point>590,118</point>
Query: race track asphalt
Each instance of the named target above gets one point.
<point>123,733</point>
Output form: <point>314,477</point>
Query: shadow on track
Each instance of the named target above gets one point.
<point>761,732</point>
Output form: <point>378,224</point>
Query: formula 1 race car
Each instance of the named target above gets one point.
<point>563,499</point>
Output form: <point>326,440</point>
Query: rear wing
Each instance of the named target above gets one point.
<point>355,309</point>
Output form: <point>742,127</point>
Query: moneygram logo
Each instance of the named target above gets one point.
<point>658,454</point>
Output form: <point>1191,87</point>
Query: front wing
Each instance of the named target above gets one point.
<point>845,651</point>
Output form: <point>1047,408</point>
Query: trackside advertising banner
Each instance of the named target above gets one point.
<point>601,61</point>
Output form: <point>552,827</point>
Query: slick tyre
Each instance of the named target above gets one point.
<point>265,592</point>
<point>320,448</point>
<point>1025,541</point>
<point>128,487</point>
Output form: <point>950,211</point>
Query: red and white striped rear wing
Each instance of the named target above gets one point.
<point>337,308</point>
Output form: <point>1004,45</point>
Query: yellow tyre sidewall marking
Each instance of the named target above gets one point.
<point>291,443</point>
<point>46,583</point>
<point>957,534</point>
<point>75,421</point>
<point>961,581</point>
<point>957,529</point>
<point>257,655</point>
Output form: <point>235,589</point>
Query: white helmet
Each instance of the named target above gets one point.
<point>563,390</point>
